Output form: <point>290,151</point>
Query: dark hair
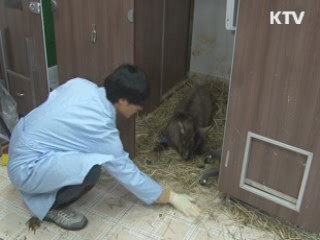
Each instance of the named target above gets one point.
<point>128,82</point>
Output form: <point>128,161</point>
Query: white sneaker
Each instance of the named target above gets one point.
<point>67,219</point>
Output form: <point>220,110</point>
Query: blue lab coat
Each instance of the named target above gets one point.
<point>57,143</point>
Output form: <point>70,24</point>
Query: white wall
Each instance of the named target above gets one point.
<point>212,44</point>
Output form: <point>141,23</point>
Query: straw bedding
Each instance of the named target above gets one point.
<point>168,168</point>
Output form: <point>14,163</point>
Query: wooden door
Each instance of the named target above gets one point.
<point>162,34</point>
<point>92,39</point>
<point>177,43</point>
<point>271,147</point>
<point>2,26</point>
<point>78,54</point>
<point>22,54</point>
<point>148,49</point>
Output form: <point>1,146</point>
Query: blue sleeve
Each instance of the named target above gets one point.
<point>122,168</point>
<point>134,180</point>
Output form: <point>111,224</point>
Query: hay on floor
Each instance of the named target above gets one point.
<point>168,168</point>
<point>168,164</point>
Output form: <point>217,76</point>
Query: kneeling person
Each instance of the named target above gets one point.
<point>58,150</point>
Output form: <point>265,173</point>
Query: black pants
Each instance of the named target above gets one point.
<point>70,194</point>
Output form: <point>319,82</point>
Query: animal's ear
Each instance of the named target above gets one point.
<point>204,131</point>
<point>181,127</point>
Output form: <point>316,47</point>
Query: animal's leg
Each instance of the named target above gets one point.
<point>212,156</point>
<point>211,173</point>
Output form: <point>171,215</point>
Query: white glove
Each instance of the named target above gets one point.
<point>184,203</point>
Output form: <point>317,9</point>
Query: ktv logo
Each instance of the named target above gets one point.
<point>286,17</point>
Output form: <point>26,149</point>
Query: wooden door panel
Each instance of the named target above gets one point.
<point>176,43</point>
<point>23,60</point>
<point>276,167</point>
<point>16,33</point>
<point>22,92</point>
<point>2,14</point>
<point>114,44</point>
<point>79,56</point>
<point>2,27</point>
<point>162,34</point>
<point>275,93</point>
<point>148,45</point>
<point>72,35</point>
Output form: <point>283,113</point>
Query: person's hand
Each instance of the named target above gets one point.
<point>184,203</point>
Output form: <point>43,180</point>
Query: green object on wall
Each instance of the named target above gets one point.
<point>49,33</point>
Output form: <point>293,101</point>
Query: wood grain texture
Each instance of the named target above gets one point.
<point>161,46</point>
<point>22,92</point>
<point>78,56</point>
<point>275,92</point>
<point>22,26</point>
<point>148,45</point>
<point>176,43</point>
<point>2,27</point>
